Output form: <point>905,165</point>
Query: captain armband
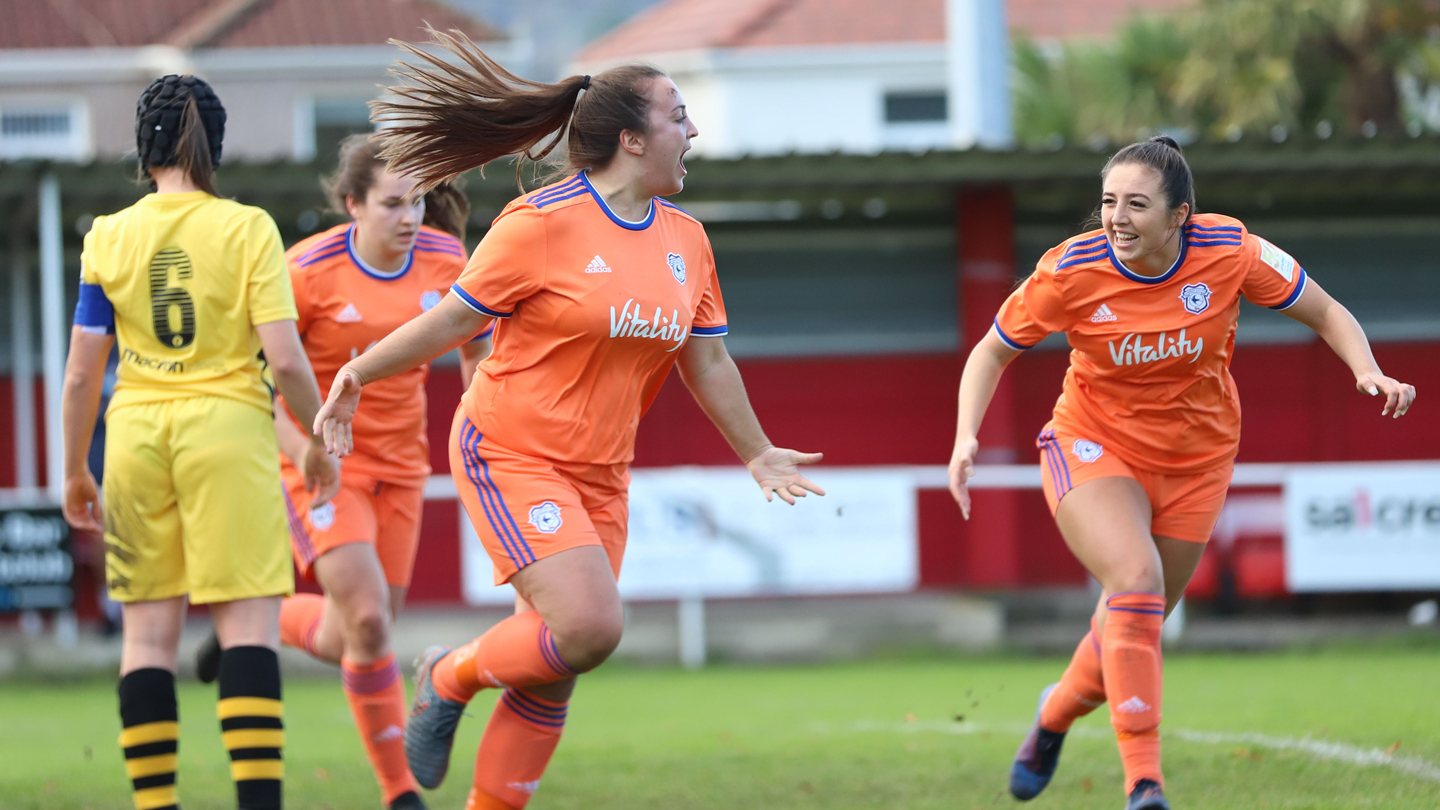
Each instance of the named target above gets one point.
<point>94,313</point>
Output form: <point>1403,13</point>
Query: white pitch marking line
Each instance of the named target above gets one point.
<point>1319,749</point>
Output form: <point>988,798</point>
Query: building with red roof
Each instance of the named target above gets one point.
<point>294,75</point>
<point>768,76</point>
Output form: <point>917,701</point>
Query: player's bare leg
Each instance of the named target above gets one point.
<point>251,714</point>
<point>354,630</point>
<point>575,624</point>
<point>1106,524</point>
<point>149,712</point>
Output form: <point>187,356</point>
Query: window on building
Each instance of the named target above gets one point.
<point>58,130</point>
<point>334,121</point>
<point>915,107</point>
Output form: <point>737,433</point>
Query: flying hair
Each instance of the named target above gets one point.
<point>448,118</point>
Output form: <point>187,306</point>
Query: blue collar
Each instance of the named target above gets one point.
<point>367,269</point>
<point>1174,268</point>
<point>624,223</point>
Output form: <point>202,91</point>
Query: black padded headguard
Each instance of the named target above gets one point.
<point>160,111</point>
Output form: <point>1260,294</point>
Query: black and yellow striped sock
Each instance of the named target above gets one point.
<point>252,725</point>
<point>150,736</point>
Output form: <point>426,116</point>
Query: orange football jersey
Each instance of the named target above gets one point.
<point>345,308</point>
<point>594,310</point>
<point>1150,363</point>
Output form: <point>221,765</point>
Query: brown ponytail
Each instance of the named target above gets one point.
<point>192,151</point>
<point>450,119</point>
<point>446,207</point>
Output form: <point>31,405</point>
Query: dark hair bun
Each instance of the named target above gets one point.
<point>1168,141</point>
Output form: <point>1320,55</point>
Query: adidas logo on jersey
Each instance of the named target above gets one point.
<point>1103,315</point>
<point>1133,706</point>
<point>349,315</point>
<point>597,265</point>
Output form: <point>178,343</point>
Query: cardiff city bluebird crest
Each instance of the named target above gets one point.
<point>323,517</point>
<point>429,300</point>
<point>1196,298</point>
<point>1087,451</point>
<point>546,518</point>
<point>677,266</point>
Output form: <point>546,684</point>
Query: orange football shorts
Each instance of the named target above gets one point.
<point>1184,507</point>
<point>526,508</point>
<point>385,515</point>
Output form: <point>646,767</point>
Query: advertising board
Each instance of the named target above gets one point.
<point>36,567</point>
<point>1363,527</point>
<point>709,532</point>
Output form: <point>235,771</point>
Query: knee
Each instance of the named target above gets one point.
<point>1136,579</point>
<point>586,643</point>
<point>368,630</point>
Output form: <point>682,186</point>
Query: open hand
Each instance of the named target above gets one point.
<point>962,469</point>
<point>332,423</point>
<point>81,503</point>
<point>1398,395</point>
<point>777,471</point>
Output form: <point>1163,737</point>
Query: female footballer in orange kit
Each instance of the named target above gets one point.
<point>1138,457</point>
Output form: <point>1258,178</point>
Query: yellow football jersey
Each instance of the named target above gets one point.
<point>187,277</point>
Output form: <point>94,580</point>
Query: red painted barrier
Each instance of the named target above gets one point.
<point>1299,401</point>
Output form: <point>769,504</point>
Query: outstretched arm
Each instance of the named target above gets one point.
<point>1333,322</point>
<point>977,387</point>
<point>714,381</point>
<point>446,326</point>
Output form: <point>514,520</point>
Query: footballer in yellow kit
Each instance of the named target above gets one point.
<point>192,498</point>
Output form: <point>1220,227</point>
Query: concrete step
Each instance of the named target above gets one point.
<point>752,631</point>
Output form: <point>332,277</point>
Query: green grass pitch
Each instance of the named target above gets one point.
<point>1354,728</point>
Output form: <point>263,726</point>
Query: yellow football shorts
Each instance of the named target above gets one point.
<point>193,502</point>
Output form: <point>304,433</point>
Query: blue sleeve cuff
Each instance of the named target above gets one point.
<point>1004,338</point>
<point>94,311</point>
<point>484,333</point>
<point>1295,295</point>
<point>476,305</point>
<point>710,331</point>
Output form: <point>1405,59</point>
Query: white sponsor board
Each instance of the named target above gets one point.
<point>1363,527</point>
<point>709,532</point>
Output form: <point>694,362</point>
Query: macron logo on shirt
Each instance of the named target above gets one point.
<point>597,265</point>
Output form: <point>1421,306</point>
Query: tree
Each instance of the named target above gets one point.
<point>1255,64</point>
<point>1100,92</point>
<point>1228,66</point>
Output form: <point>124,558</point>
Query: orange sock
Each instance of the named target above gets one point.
<point>518,743</point>
<point>517,652</point>
<point>1131,655</point>
<point>376,694</point>
<point>1081,689</point>
<point>300,617</point>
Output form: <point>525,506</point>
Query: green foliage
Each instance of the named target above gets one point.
<point>903,735</point>
<point>1228,67</point>
<point>1100,92</point>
